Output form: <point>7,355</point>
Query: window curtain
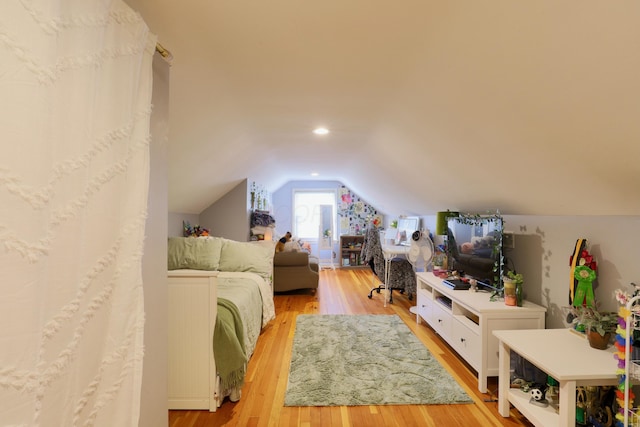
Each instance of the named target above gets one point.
<point>75,94</point>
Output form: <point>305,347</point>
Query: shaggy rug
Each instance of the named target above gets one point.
<point>349,360</point>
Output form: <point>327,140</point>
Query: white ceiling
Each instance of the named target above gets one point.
<point>527,107</point>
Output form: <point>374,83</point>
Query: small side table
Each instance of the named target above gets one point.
<point>563,355</point>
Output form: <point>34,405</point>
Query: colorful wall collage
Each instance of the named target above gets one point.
<point>355,214</point>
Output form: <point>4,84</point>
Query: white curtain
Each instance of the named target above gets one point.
<point>75,93</point>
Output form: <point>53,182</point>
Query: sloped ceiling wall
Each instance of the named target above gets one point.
<point>526,107</point>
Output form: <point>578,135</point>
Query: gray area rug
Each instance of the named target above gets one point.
<point>350,360</point>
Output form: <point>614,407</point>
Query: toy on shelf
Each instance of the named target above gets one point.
<point>629,315</point>
<point>537,393</point>
<point>195,231</point>
<point>583,273</point>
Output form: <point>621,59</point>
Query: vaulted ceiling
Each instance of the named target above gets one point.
<point>527,107</point>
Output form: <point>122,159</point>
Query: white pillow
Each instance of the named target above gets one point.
<point>253,257</point>
<point>291,246</point>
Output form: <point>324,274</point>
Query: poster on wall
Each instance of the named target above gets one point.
<point>355,214</point>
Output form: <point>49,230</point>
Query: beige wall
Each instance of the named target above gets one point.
<point>543,245</point>
<point>229,216</point>
<point>153,404</point>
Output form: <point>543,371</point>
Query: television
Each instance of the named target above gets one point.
<point>474,245</point>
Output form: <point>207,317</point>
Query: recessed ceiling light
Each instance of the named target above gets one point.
<point>314,174</point>
<point>321,131</point>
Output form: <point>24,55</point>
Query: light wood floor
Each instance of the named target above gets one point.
<point>343,291</point>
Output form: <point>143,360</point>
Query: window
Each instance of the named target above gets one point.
<point>306,211</point>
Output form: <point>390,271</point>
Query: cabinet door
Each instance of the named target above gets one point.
<point>424,305</point>
<point>441,321</point>
<point>466,341</point>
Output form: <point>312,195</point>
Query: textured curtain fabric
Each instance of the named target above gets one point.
<point>75,93</point>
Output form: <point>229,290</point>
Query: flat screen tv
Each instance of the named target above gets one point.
<point>474,244</point>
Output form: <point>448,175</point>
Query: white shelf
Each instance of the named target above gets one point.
<point>562,355</point>
<point>470,324</point>
<point>537,415</point>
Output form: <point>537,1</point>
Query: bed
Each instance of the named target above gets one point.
<point>216,313</point>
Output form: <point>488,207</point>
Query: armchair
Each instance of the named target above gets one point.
<point>294,270</point>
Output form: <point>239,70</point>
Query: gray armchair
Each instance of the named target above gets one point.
<point>294,270</point>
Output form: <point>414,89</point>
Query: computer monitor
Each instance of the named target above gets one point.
<point>407,225</point>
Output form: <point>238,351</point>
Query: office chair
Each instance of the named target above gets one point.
<point>401,274</point>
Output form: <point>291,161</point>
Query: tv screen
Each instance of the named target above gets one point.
<point>475,246</point>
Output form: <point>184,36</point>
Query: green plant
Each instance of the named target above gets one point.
<point>592,319</point>
<point>517,278</point>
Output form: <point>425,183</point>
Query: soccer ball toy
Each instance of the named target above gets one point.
<point>537,393</point>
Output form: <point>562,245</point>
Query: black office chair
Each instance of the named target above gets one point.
<point>401,274</point>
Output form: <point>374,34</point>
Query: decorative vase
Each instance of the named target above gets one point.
<point>598,341</point>
<point>510,292</point>
<point>519,296</point>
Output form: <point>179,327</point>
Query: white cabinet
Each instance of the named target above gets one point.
<point>191,323</point>
<point>424,305</point>
<point>440,319</point>
<point>466,319</point>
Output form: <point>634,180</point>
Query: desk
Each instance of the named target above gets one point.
<point>563,355</point>
<point>390,252</point>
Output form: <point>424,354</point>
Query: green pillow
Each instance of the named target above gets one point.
<point>195,253</point>
<point>253,257</point>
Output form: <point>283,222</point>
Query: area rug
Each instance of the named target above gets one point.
<point>350,360</point>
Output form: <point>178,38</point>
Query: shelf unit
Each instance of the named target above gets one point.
<point>632,365</point>
<point>537,415</point>
<point>350,248</point>
<point>563,355</point>
<point>466,321</point>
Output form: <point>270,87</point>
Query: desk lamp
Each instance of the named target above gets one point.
<point>442,226</point>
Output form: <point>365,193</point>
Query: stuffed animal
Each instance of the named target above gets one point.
<point>466,248</point>
<point>282,241</point>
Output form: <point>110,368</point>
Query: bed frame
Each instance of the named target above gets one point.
<point>192,379</point>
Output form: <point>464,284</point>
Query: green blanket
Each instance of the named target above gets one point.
<point>228,345</point>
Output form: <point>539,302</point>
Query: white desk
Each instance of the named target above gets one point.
<point>390,252</point>
<point>563,355</point>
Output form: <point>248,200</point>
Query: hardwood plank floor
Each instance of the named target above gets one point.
<point>343,291</point>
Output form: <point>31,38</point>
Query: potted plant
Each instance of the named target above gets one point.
<point>599,326</point>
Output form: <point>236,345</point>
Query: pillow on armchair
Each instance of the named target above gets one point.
<point>292,246</point>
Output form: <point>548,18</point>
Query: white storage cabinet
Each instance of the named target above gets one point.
<point>466,319</point>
